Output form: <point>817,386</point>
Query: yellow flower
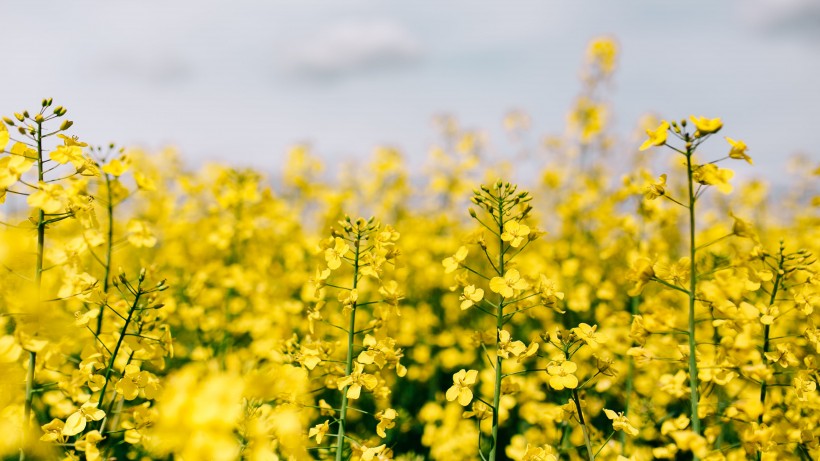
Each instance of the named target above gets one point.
<point>561,375</point>
<point>588,335</point>
<point>386,421</point>
<point>334,255</point>
<point>711,175</point>
<point>471,296</point>
<point>641,273</point>
<point>4,137</point>
<point>76,422</point>
<point>506,346</point>
<point>358,379</point>
<point>675,273</point>
<point>706,125</point>
<point>319,431</point>
<point>515,233</point>
<point>657,137</point>
<point>656,190</point>
<point>453,262</point>
<point>621,423</point>
<point>140,235</point>
<point>49,198</point>
<point>118,166</point>
<point>368,454</point>
<point>738,150</point>
<point>66,154</point>
<point>506,286</point>
<point>602,52</point>
<point>460,390</point>
<point>11,168</point>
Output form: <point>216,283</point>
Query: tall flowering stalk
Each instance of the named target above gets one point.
<point>367,248</point>
<point>683,276</point>
<point>505,210</point>
<point>48,198</point>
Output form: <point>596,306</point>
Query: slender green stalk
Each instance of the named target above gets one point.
<point>38,282</point>
<point>766,340</point>
<point>693,363</point>
<point>351,331</point>
<point>108,249</point>
<point>499,324</point>
<point>116,350</point>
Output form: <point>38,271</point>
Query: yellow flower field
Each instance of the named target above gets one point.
<point>568,310</point>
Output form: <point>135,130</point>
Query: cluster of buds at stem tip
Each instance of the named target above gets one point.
<point>503,195</point>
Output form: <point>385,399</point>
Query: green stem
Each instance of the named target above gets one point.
<point>766,339</point>
<point>499,324</point>
<point>693,364</point>
<point>119,343</point>
<point>351,331</point>
<point>108,249</point>
<point>38,282</point>
<point>588,443</point>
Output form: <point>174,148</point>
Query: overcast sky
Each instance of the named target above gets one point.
<point>243,80</point>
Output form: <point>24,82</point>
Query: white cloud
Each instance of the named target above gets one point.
<point>350,47</point>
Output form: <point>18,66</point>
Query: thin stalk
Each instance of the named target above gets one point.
<point>38,282</point>
<point>693,364</point>
<point>588,443</point>
<point>108,249</point>
<point>110,366</point>
<point>351,331</point>
<point>499,325</point>
<point>766,339</point>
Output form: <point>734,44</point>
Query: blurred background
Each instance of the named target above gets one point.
<point>241,81</point>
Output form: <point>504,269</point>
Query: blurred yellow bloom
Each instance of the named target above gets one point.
<point>140,234</point>
<point>710,175</point>
<point>738,150</point>
<point>49,198</point>
<point>656,189</point>
<point>657,137</point>
<point>453,262</point>
<point>117,167</point>
<point>4,137</point>
<point>334,255</point>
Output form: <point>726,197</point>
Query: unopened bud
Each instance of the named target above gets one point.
<point>8,121</point>
<point>66,125</point>
<point>472,212</point>
<point>39,118</point>
<point>20,117</point>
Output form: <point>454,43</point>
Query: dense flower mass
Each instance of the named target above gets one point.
<point>150,311</point>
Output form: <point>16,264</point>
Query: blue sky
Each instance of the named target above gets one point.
<point>241,81</point>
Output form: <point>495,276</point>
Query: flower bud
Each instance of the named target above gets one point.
<point>66,125</point>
